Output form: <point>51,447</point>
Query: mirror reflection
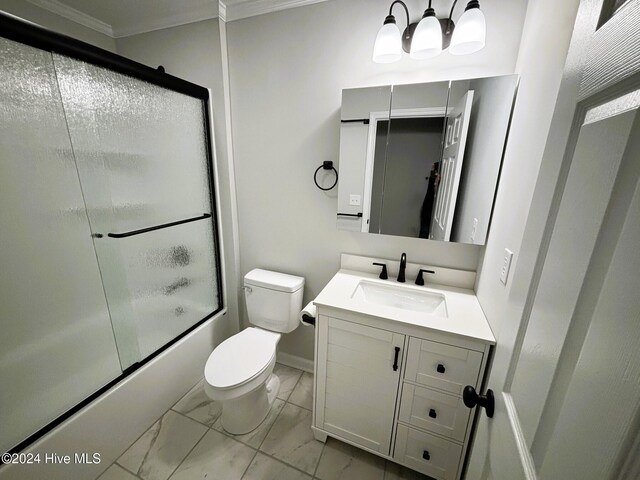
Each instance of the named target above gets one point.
<point>423,160</point>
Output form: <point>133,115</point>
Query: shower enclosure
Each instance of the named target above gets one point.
<point>108,236</point>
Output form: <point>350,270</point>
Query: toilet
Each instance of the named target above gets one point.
<point>239,372</point>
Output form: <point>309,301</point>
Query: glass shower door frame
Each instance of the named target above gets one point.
<point>17,30</point>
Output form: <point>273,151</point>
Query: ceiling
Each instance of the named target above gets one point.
<point>121,18</point>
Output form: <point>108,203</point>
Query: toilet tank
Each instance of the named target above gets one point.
<point>274,300</point>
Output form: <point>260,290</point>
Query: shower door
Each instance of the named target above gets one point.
<point>142,155</point>
<point>108,240</point>
<point>57,345</point>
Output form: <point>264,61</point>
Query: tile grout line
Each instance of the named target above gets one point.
<point>192,419</point>
<point>138,438</point>
<point>187,455</point>
<point>274,422</point>
<point>324,445</point>
<point>285,463</point>
<point>255,454</point>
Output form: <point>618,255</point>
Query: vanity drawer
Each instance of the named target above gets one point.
<point>442,366</point>
<point>427,453</point>
<point>434,411</point>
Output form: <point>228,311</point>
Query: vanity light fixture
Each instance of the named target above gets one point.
<point>431,35</point>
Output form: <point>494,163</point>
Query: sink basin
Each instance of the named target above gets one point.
<point>401,297</point>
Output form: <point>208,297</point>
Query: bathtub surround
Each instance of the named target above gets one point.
<point>115,420</point>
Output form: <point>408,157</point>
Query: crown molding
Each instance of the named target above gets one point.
<point>227,13</point>
<point>70,13</point>
<point>191,16</point>
<point>251,8</point>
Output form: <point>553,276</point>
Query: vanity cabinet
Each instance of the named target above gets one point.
<point>395,390</point>
<point>361,373</point>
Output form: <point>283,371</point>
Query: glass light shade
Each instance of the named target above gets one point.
<point>470,33</point>
<point>388,46</point>
<point>427,39</point>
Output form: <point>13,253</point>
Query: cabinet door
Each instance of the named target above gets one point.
<point>359,373</point>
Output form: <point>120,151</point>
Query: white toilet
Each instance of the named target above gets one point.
<point>239,372</point>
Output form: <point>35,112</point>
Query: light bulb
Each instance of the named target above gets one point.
<point>427,38</point>
<point>388,46</point>
<point>470,33</point>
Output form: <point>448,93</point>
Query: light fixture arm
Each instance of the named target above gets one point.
<point>407,34</point>
<point>449,29</point>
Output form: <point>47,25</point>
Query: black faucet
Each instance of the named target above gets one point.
<point>403,266</point>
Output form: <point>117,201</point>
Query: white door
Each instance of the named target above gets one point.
<point>566,378</point>
<point>359,368</point>
<point>455,140</point>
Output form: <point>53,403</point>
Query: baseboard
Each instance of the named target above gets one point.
<point>296,362</point>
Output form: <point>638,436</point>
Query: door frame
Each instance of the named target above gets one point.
<point>374,118</point>
<point>606,75</point>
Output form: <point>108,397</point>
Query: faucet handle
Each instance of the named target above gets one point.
<point>419,279</point>
<point>383,273</point>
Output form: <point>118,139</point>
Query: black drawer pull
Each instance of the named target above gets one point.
<point>440,368</point>
<point>426,455</point>
<point>395,360</point>
<point>432,413</point>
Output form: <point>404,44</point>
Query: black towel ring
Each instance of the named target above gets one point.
<point>328,165</point>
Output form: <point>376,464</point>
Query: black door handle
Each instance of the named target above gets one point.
<point>471,399</point>
<point>395,360</point>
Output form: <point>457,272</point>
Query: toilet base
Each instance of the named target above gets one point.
<point>246,413</point>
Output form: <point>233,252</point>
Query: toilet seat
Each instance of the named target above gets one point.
<point>241,358</point>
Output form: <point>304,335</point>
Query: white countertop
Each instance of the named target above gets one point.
<point>465,317</point>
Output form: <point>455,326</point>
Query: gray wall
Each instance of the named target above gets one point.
<point>44,18</point>
<point>193,52</point>
<point>490,114</point>
<point>287,72</point>
<point>545,42</point>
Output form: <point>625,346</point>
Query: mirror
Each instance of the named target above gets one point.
<point>423,160</point>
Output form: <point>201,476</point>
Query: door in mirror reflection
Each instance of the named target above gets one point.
<point>448,172</point>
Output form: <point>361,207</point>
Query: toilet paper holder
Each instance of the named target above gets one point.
<point>309,319</point>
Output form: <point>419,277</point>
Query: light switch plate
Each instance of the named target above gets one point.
<point>506,265</point>
<point>354,200</point>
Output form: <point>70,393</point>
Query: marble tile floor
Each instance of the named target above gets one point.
<point>189,443</point>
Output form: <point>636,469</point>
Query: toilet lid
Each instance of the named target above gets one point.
<point>240,358</point>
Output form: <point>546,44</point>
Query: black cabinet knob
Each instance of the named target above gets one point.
<point>97,235</point>
<point>440,368</point>
<point>426,455</point>
<point>432,413</point>
<point>471,398</point>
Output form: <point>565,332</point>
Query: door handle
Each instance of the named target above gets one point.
<point>471,398</point>
<point>395,360</point>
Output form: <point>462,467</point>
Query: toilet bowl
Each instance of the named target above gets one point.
<point>239,372</point>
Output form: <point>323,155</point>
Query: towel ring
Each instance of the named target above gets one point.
<point>328,165</point>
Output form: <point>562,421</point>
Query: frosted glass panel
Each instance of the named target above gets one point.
<point>142,156</point>
<point>141,149</point>
<point>56,343</point>
<point>170,277</point>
